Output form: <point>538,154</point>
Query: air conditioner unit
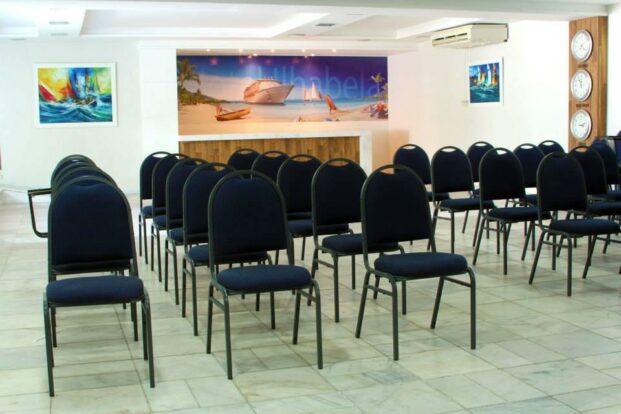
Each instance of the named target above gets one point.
<point>472,35</point>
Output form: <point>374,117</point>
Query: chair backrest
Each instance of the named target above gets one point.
<point>475,153</point>
<point>83,171</point>
<point>549,146</point>
<point>269,163</point>
<point>530,156</point>
<point>242,159</point>
<point>500,176</point>
<point>335,192</point>
<point>394,207</point>
<point>146,173</point>
<point>90,228</point>
<point>610,160</point>
<point>246,215</point>
<point>196,192</point>
<point>68,166</point>
<point>158,181</point>
<point>174,189</point>
<point>450,171</point>
<point>592,168</point>
<point>295,177</point>
<point>69,160</point>
<point>416,159</point>
<point>560,184</point>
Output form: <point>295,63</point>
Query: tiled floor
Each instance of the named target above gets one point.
<point>538,350</point>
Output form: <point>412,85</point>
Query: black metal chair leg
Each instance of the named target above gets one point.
<point>175,272</point>
<point>476,228</point>
<point>227,336</point>
<point>184,270</point>
<point>195,302</point>
<point>139,234</point>
<point>436,306</point>
<point>318,332</point>
<point>375,292</point>
<point>463,228</point>
<point>296,317</point>
<point>166,264</point>
<point>478,244</point>
<point>149,339</point>
<point>48,347</point>
<point>591,247</point>
<point>272,311</point>
<point>554,247</point>
<point>209,317</point>
<point>395,320</point>
<point>570,248</point>
<point>153,249</point>
<point>404,308</point>
<point>536,259</point>
<point>336,287</point>
<point>363,301</point>
<point>353,272</point>
<point>527,239</point>
<point>473,310</point>
<point>303,247</point>
<point>505,240</point>
<point>452,232</point>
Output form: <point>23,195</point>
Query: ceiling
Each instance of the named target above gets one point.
<point>321,24</point>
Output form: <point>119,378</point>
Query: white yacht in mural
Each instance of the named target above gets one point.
<point>267,91</point>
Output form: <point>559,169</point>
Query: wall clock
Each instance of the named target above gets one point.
<point>580,125</point>
<point>581,85</point>
<point>582,45</point>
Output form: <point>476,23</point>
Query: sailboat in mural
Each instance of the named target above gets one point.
<point>313,94</point>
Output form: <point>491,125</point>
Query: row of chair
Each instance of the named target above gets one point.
<point>90,231</point>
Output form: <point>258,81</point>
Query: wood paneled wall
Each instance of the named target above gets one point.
<point>322,148</point>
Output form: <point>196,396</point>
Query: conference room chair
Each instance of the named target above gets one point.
<point>269,163</point>
<point>83,171</point>
<point>501,178</point>
<point>172,221</point>
<point>90,232</point>
<point>549,146</point>
<point>294,180</point>
<point>146,193</point>
<point>475,153</point>
<point>530,157</point>
<point>242,159</point>
<point>609,157</point>
<point>158,204</point>
<point>451,171</point>
<point>561,187</point>
<point>196,192</point>
<point>394,209</point>
<point>335,199</point>
<point>416,159</point>
<point>236,205</point>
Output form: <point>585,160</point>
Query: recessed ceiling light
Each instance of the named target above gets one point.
<point>325,24</point>
<point>241,50</point>
<point>364,40</point>
<point>303,50</point>
<point>333,50</point>
<point>312,54</point>
<point>255,54</point>
<point>298,34</point>
<point>58,22</point>
<point>18,39</point>
<point>272,50</point>
<point>207,50</point>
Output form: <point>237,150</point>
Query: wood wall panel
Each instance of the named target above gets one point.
<point>597,66</point>
<point>322,148</point>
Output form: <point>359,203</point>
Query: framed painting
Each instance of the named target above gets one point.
<point>485,82</point>
<point>75,95</point>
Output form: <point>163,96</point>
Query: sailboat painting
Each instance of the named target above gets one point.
<point>486,82</point>
<point>75,95</point>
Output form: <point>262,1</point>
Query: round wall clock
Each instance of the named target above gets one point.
<point>582,45</point>
<point>581,85</point>
<point>580,125</point>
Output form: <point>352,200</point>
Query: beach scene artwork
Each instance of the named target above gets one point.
<point>75,95</point>
<point>485,82</point>
<point>226,90</point>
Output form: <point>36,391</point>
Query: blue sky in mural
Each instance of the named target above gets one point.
<point>343,78</point>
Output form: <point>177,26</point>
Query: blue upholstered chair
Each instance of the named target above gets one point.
<point>158,204</point>
<point>395,209</point>
<point>146,193</point>
<point>451,171</point>
<point>236,205</point>
<point>196,194</point>
<point>269,163</point>
<point>242,159</point>
<point>549,146</point>
<point>336,199</point>
<point>173,219</point>
<point>530,157</point>
<point>475,153</point>
<point>501,178</point>
<point>90,231</point>
<point>294,180</point>
<point>561,187</point>
<point>83,171</point>
<point>612,169</point>
<point>416,159</point>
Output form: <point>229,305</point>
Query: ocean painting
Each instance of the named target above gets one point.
<point>75,95</point>
<point>230,90</point>
<point>485,82</point>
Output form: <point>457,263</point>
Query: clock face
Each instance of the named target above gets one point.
<point>581,125</point>
<point>581,84</point>
<point>582,45</point>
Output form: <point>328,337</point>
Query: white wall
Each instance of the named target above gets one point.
<point>430,108</point>
<point>614,70</point>
<point>28,153</point>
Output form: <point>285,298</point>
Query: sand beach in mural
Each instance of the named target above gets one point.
<point>232,90</point>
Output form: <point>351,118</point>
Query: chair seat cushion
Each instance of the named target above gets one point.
<point>305,228</point>
<point>587,227</point>
<point>176,235</point>
<point>160,221</point>
<point>604,208</point>
<point>199,255</point>
<point>264,278</point>
<point>147,211</point>
<point>531,199</point>
<point>614,195</point>
<point>352,244</point>
<point>421,265</point>
<point>439,196</point>
<point>94,290</point>
<point>299,215</point>
<point>515,213</point>
<point>465,204</point>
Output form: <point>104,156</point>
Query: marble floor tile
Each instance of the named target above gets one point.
<point>282,383</point>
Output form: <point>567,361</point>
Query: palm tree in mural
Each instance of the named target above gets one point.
<point>378,79</point>
<point>186,72</point>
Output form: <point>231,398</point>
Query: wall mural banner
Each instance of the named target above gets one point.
<point>246,89</point>
<point>486,82</point>
<point>75,95</point>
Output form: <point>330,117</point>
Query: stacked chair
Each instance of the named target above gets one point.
<point>90,231</point>
<point>549,146</point>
